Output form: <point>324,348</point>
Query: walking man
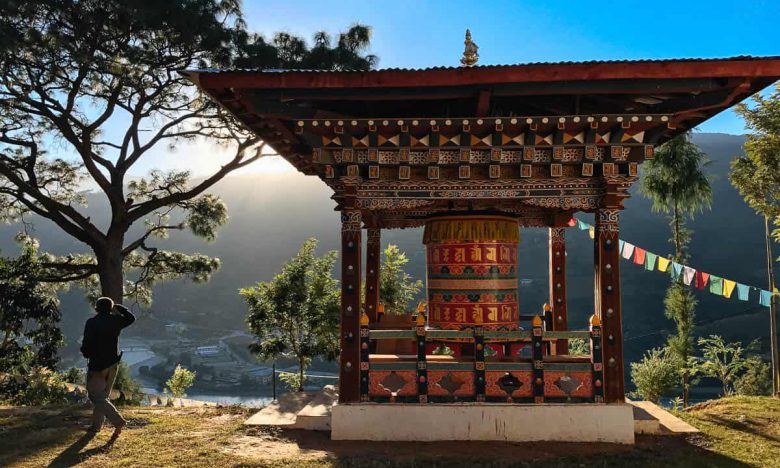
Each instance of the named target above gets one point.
<point>101,346</point>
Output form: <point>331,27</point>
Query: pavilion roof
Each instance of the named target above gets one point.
<point>689,91</point>
<point>537,140</point>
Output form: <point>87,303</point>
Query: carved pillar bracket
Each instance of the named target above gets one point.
<point>373,265</point>
<point>607,294</point>
<point>558,285</point>
<point>349,373</point>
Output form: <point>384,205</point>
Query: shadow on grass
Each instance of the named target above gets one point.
<point>668,451</point>
<point>741,427</point>
<point>73,455</point>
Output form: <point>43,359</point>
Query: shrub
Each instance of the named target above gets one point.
<point>180,381</point>
<point>128,388</point>
<point>74,375</point>
<point>654,376</point>
<point>39,386</point>
<point>756,380</point>
<point>292,380</point>
<point>579,347</point>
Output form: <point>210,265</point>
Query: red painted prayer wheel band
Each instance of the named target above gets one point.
<point>472,272</point>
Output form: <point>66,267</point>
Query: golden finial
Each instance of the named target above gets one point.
<point>595,321</point>
<point>420,319</point>
<point>421,307</point>
<point>536,321</point>
<point>380,309</point>
<point>470,52</point>
<point>363,320</point>
<point>546,307</point>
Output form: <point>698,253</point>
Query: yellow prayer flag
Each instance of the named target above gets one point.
<point>592,232</point>
<point>728,287</point>
<point>663,263</point>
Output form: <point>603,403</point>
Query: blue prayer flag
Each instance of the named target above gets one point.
<point>583,226</point>
<point>676,270</point>
<point>765,298</point>
<point>620,245</point>
<point>742,291</point>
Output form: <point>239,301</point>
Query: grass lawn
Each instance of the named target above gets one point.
<point>736,431</point>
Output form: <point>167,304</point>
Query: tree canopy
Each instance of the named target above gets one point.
<point>396,287</point>
<point>297,312</point>
<point>29,316</point>
<point>90,88</point>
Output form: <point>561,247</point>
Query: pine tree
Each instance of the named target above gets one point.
<point>674,180</point>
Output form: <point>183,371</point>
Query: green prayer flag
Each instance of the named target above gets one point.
<point>716,285</point>
<point>650,261</point>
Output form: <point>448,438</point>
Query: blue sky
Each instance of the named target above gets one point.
<point>418,34</point>
<point>430,33</point>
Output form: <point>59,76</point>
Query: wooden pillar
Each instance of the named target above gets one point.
<point>373,265</point>
<point>557,269</point>
<point>349,360</point>
<point>607,294</point>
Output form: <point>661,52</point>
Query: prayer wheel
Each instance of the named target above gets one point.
<point>472,272</point>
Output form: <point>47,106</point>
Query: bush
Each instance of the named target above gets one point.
<point>127,386</point>
<point>74,375</point>
<point>40,386</point>
<point>179,382</point>
<point>654,376</point>
<point>292,380</point>
<point>579,347</point>
<point>757,379</point>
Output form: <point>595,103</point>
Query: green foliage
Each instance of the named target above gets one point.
<point>655,376</point>
<point>91,89</point>
<point>443,350</point>
<point>286,51</point>
<point>756,175</point>
<point>38,386</point>
<point>180,381</point>
<point>680,307</point>
<point>74,375</point>
<point>675,182</point>
<point>579,347</point>
<point>129,388</point>
<point>297,312</point>
<point>756,380</point>
<point>294,381</point>
<point>396,287</point>
<point>722,361</point>
<point>29,316</point>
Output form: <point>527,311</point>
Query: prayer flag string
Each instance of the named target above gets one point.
<point>691,277</point>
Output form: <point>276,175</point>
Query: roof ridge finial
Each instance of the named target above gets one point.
<point>470,53</point>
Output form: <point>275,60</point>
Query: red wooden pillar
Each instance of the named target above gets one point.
<point>558,285</point>
<point>373,255</point>
<point>349,359</point>
<point>607,293</point>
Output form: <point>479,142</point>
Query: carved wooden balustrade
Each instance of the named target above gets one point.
<point>431,378</point>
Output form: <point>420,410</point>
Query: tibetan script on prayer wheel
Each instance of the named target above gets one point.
<point>472,272</point>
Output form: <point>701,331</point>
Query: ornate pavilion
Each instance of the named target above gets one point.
<point>475,153</point>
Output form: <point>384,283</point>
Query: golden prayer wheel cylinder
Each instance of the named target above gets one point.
<point>472,272</point>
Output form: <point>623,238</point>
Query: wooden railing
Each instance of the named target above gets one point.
<point>430,378</point>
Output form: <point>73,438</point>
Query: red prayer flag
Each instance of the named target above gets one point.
<point>700,279</point>
<point>639,255</point>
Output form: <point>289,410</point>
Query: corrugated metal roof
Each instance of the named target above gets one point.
<point>401,69</point>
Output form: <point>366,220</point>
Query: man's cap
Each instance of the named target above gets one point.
<point>104,304</point>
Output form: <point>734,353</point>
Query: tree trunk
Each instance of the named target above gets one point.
<point>110,271</point>
<point>677,242</point>
<point>772,309</point>
<point>686,386</point>
<point>300,370</point>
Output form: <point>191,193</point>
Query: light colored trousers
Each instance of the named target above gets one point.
<point>99,385</point>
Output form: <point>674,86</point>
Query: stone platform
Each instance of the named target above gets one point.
<point>612,423</point>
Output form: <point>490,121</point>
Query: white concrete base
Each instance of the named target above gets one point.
<point>612,423</point>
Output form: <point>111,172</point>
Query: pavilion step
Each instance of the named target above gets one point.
<point>283,412</point>
<point>315,416</point>
<point>651,419</point>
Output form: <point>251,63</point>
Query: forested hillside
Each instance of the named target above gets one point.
<point>271,215</point>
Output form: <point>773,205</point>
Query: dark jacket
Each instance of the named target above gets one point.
<point>101,337</point>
